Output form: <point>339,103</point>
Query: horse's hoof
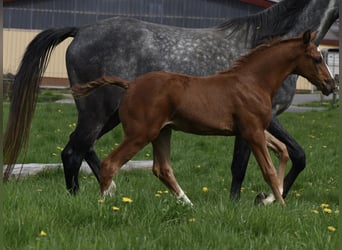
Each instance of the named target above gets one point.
<point>259,199</point>
<point>110,190</point>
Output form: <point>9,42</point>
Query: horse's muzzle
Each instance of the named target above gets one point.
<point>329,86</point>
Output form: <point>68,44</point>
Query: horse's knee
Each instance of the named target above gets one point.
<point>298,159</point>
<point>166,173</point>
<point>71,158</point>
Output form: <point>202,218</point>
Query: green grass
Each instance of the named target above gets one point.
<point>323,104</point>
<point>155,221</point>
<point>48,95</point>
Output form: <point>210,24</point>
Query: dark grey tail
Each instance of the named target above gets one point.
<point>25,91</point>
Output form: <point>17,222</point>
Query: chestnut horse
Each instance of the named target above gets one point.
<point>103,48</point>
<point>237,101</point>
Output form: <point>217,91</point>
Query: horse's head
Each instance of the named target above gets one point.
<point>312,66</point>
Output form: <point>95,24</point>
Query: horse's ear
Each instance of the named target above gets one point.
<point>307,37</point>
<point>314,35</point>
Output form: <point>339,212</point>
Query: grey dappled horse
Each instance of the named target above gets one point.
<point>126,48</point>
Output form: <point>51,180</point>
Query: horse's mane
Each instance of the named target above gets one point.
<point>274,21</point>
<point>241,61</point>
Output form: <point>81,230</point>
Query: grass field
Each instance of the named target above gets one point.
<point>40,214</point>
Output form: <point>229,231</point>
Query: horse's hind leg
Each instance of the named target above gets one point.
<point>162,167</point>
<point>79,146</point>
<point>72,160</point>
<point>91,157</point>
<point>114,161</point>
<point>82,140</point>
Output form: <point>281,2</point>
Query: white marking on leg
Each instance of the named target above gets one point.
<point>183,199</point>
<point>271,198</point>
<point>110,190</point>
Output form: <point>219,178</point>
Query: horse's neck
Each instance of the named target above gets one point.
<point>276,21</point>
<point>270,69</point>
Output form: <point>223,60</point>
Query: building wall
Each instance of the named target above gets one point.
<point>26,18</point>
<point>15,42</point>
<point>185,13</point>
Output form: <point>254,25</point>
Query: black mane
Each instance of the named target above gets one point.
<point>272,22</point>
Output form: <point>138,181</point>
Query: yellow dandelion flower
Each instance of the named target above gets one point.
<point>205,189</point>
<point>42,233</point>
<point>159,192</point>
<point>166,191</point>
<point>157,195</point>
<point>327,210</point>
<point>192,220</point>
<point>331,228</point>
<point>324,205</point>
<point>100,201</point>
<point>127,200</point>
<point>114,208</point>
<point>314,211</point>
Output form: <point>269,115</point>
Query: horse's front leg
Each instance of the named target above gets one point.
<point>239,165</point>
<point>296,153</point>
<point>257,141</point>
<point>280,151</point>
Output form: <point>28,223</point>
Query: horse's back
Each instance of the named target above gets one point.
<point>127,47</point>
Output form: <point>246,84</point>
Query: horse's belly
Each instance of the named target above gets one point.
<point>203,127</point>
